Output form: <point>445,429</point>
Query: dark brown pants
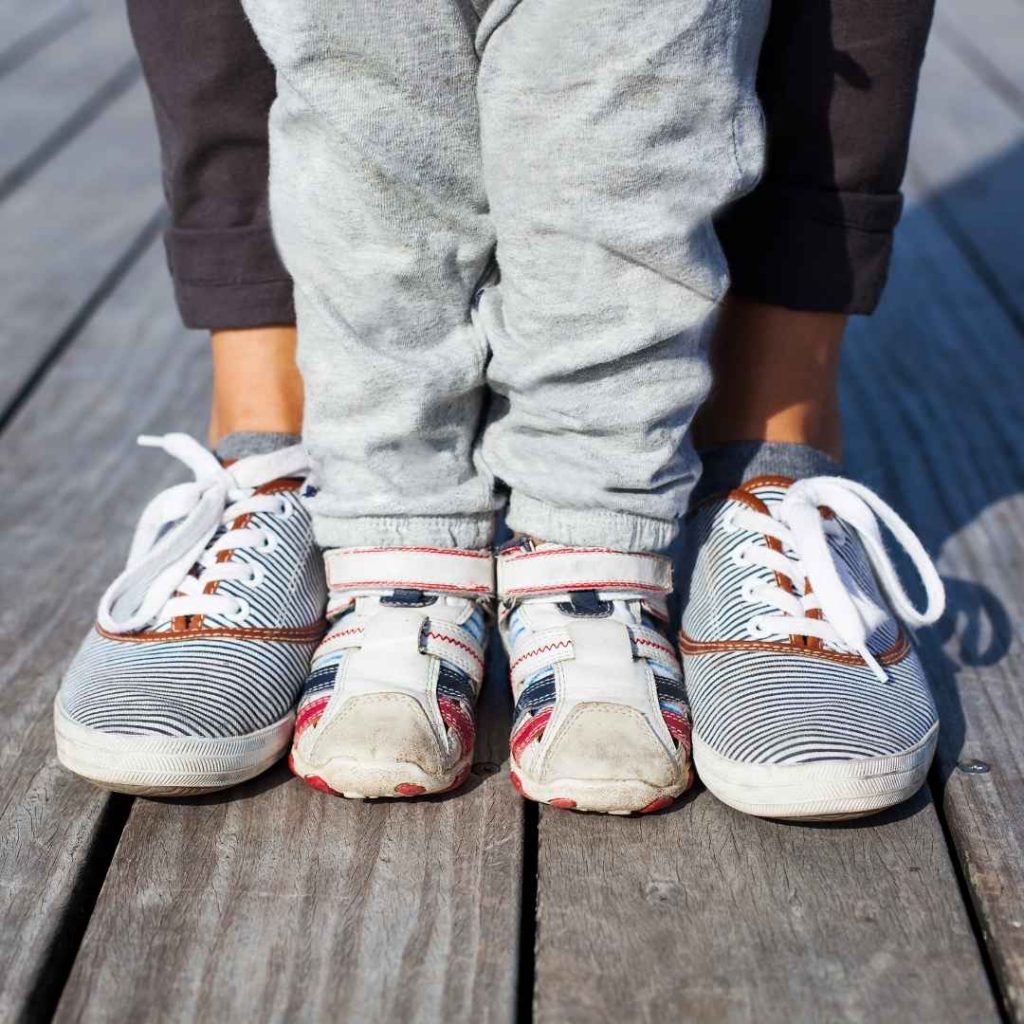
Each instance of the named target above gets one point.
<point>838,80</point>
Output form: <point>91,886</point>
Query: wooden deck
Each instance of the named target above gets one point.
<point>272,903</point>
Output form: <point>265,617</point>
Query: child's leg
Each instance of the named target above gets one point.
<point>611,131</point>
<point>379,211</point>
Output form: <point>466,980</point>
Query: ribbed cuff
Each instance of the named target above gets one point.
<point>621,531</point>
<point>472,532</point>
<point>231,278</point>
<point>810,250</point>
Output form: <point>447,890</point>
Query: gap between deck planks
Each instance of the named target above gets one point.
<point>967,157</point>
<point>69,229</point>
<point>56,93</point>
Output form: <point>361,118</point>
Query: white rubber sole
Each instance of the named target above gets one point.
<point>599,796</point>
<point>166,765</point>
<point>823,790</point>
<point>368,780</point>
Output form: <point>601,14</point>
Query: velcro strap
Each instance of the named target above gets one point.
<point>558,570</point>
<point>652,646</point>
<point>453,644</point>
<point>537,651</point>
<point>438,570</point>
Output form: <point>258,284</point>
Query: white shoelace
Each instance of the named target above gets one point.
<point>176,533</point>
<point>848,617</point>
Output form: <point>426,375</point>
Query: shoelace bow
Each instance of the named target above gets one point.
<point>846,618</point>
<point>176,535</point>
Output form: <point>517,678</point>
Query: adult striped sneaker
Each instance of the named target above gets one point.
<point>808,699</point>
<point>600,718</point>
<point>188,681</point>
<point>388,709</point>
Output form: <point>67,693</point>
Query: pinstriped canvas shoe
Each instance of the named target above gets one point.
<point>188,681</point>
<point>388,709</point>
<point>600,720</point>
<point>808,700</point>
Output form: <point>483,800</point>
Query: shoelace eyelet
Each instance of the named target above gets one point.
<point>257,574</point>
<point>739,557</point>
<point>241,612</point>
<point>285,509</point>
<point>757,628</point>
<point>267,544</point>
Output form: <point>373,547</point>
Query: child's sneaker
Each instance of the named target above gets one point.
<point>600,721</point>
<point>808,700</point>
<point>188,681</point>
<point>389,707</point>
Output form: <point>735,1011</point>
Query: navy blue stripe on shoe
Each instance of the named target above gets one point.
<point>536,694</point>
<point>455,684</point>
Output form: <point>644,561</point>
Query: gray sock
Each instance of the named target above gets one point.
<point>243,443</point>
<point>729,465</point>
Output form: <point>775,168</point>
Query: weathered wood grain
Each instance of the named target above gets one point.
<point>25,29</point>
<point>84,210</point>
<point>49,98</point>
<point>276,903</point>
<point>703,914</point>
<point>988,37</point>
<point>71,486</point>
<point>967,156</point>
<point>936,423</point>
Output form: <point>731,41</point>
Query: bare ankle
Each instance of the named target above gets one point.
<point>256,382</point>
<point>776,378</point>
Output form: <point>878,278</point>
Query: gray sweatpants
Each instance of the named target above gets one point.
<point>498,219</point>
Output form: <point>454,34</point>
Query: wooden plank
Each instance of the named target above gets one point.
<point>69,229</point>
<point>988,37</point>
<point>27,29</point>
<point>61,88</point>
<point>704,914</point>
<point>967,156</point>
<point>936,421</point>
<point>274,902</point>
<point>71,486</point>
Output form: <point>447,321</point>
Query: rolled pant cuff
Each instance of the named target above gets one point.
<point>229,278</point>
<point>810,250</point>
<point>470,532</point>
<point>621,531</point>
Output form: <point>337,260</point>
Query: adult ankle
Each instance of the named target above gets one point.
<point>257,387</point>
<point>776,378</point>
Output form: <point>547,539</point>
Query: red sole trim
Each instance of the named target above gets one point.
<point>658,804</point>
<point>409,789</point>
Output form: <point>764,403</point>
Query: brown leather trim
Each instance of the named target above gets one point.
<point>283,485</point>
<point>897,652</point>
<point>305,634</point>
<point>768,480</point>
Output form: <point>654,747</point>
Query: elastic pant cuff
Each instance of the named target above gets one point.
<point>229,278</point>
<point>621,531</point>
<point>810,250</point>
<point>470,532</point>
